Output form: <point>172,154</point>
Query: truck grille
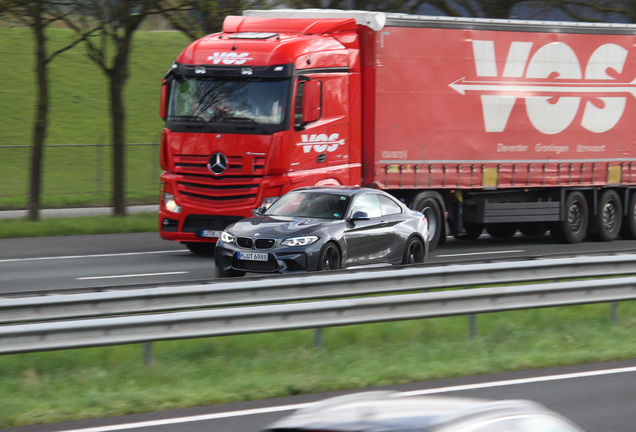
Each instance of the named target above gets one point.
<point>238,184</point>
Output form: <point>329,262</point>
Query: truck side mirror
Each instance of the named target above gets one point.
<point>312,95</point>
<point>163,104</point>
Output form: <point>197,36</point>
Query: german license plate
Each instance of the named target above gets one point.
<point>209,233</point>
<point>252,256</point>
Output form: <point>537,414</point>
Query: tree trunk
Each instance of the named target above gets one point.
<point>40,124</point>
<point>118,78</point>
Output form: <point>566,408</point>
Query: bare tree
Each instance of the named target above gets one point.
<point>107,27</point>
<point>197,18</point>
<point>38,15</point>
<point>399,6</point>
<point>596,10</point>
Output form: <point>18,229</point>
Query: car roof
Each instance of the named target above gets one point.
<point>392,412</point>
<point>337,189</point>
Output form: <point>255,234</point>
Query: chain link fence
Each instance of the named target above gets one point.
<point>78,175</point>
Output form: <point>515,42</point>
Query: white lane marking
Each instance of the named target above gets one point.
<point>479,253</point>
<point>131,275</point>
<point>90,256</point>
<point>206,417</point>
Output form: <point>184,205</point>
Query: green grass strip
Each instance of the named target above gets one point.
<point>20,227</point>
<point>85,383</point>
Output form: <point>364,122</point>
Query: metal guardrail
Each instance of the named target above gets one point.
<point>252,291</point>
<point>63,330</point>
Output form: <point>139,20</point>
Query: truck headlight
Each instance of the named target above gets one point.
<point>170,203</point>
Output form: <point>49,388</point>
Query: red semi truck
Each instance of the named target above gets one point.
<point>499,125</point>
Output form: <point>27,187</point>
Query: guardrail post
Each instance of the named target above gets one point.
<point>614,312</point>
<point>148,353</point>
<point>318,338</point>
<point>472,319</point>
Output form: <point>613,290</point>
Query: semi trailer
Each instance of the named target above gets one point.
<point>496,125</point>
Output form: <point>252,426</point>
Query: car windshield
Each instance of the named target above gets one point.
<point>256,101</point>
<point>320,205</point>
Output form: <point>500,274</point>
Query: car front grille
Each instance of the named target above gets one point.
<point>264,243</point>
<point>244,242</point>
<point>249,243</point>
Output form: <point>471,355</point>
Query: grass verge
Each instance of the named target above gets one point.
<point>19,227</point>
<point>66,385</point>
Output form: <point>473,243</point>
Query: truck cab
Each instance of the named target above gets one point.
<point>252,112</point>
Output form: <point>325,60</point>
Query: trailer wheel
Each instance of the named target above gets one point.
<point>502,231</point>
<point>201,248</point>
<point>431,208</point>
<point>628,229</point>
<point>608,217</point>
<point>573,227</point>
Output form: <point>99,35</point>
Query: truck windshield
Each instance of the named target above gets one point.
<point>225,102</point>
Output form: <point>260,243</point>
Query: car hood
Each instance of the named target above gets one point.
<point>276,227</point>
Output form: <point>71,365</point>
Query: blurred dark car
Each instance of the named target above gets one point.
<point>391,412</point>
<point>324,228</point>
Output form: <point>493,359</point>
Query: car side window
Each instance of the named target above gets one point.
<point>367,203</point>
<point>388,206</point>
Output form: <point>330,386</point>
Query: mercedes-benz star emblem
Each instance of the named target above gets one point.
<point>217,164</point>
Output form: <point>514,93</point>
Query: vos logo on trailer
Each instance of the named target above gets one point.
<point>551,104</point>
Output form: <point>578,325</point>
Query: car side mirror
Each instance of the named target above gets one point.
<point>359,215</point>
<point>259,211</point>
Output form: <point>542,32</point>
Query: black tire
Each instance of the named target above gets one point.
<point>502,231</point>
<point>608,218</point>
<point>472,231</point>
<point>628,229</point>
<point>414,252</point>
<point>202,248</point>
<point>432,209</point>
<point>573,228</point>
<point>329,257</point>
<point>533,229</point>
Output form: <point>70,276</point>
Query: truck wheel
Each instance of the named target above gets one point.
<point>628,229</point>
<point>431,208</point>
<point>414,252</point>
<point>329,257</point>
<point>502,231</point>
<point>573,227</point>
<point>202,248</point>
<point>608,217</point>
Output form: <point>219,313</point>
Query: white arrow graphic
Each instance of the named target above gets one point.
<point>461,86</point>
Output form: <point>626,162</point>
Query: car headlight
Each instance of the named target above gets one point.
<point>299,241</point>
<point>226,237</point>
<point>170,203</point>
